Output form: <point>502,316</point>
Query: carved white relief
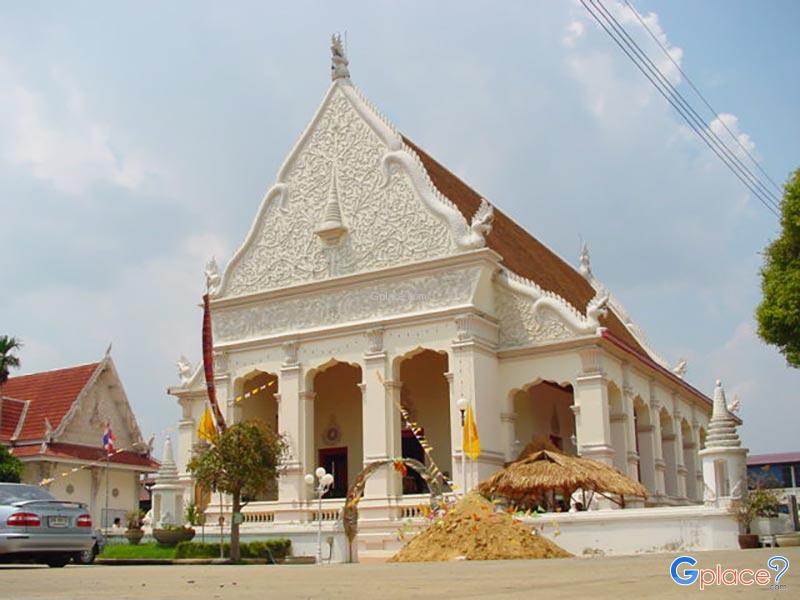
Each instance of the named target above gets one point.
<point>387,223</point>
<point>290,353</point>
<point>184,369</point>
<point>529,314</point>
<point>387,299</point>
<point>212,277</point>
<point>375,340</point>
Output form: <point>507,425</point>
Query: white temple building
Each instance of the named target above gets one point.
<point>372,275</point>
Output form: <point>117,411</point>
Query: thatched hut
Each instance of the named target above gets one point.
<point>542,471</point>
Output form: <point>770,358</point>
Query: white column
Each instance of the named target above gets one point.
<point>509,420</point>
<point>381,418</point>
<point>187,434</point>
<point>680,466</point>
<point>291,486</point>
<point>659,494</point>
<point>632,455</point>
<point>592,420</point>
<point>475,377</point>
<point>307,446</point>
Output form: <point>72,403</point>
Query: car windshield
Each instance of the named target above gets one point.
<point>16,493</point>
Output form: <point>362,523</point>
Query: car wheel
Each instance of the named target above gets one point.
<point>87,556</point>
<point>58,561</point>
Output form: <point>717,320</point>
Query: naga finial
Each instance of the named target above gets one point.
<point>339,61</point>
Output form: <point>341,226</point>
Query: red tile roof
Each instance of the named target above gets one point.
<point>85,453</point>
<point>773,459</point>
<point>11,412</point>
<point>522,253</point>
<point>50,394</point>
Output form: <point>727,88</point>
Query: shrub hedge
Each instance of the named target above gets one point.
<point>279,548</point>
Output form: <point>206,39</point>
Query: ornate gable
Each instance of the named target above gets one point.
<point>351,197</point>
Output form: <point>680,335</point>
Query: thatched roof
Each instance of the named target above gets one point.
<point>540,471</point>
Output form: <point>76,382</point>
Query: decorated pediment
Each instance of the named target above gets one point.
<point>530,315</point>
<point>351,197</point>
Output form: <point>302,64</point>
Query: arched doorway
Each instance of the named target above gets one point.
<point>256,401</point>
<point>338,433</point>
<point>544,411</point>
<point>425,394</point>
<point>619,436</point>
<point>644,444</point>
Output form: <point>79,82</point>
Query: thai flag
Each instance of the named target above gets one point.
<point>109,439</point>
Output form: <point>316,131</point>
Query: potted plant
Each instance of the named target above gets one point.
<point>170,535</point>
<point>759,502</point>
<point>134,531</point>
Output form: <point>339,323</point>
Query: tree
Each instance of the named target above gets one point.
<point>778,315</point>
<point>10,467</point>
<point>242,461</point>
<point>8,360</point>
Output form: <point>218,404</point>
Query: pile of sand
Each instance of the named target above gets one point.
<point>472,530</point>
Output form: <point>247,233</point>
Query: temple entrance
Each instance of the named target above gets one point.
<point>425,394</point>
<point>257,402</point>
<point>544,411</point>
<point>338,430</point>
<point>334,460</point>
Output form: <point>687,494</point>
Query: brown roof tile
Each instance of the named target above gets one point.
<point>522,253</point>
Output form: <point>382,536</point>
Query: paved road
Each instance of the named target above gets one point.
<point>622,577</point>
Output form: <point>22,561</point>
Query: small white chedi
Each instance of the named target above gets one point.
<point>372,276</point>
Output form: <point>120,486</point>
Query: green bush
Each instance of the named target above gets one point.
<point>258,549</point>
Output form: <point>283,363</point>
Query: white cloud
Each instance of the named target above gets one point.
<point>72,151</point>
<point>149,311</point>
<point>574,30</point>
<point>727,128</point>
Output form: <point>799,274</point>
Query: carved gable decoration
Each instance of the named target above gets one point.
<point>349,198</point>
<point>529,315</point>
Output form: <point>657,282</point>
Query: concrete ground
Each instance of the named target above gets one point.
<point>621,577</point>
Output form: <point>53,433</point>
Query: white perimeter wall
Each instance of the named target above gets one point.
<point>640,530</point>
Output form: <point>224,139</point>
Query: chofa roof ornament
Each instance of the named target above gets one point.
<point>584,266</point>
<point>339,61</point>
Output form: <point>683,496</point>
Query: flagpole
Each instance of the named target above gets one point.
<point>462,405</point>
<point>108,462</point>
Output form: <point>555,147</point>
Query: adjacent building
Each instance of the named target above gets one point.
<point>54,423</point>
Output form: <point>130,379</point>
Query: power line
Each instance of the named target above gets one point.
<point>701,96</point>
<point>707,133</point>
<point>677,102</point>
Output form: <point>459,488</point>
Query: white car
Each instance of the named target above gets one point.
<point>35,527</point>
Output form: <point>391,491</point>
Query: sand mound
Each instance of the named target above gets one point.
<point>473,530</point>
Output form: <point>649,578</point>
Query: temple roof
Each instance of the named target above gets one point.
<point>522,253</point>
<point>49,395</point>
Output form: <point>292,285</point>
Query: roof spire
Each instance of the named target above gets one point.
<point>722,428</point>
<point>339,61</point>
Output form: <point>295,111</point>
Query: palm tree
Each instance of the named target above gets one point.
<point>8,360</point>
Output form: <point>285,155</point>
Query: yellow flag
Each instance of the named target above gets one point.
<point>206,430</point>
<point>471,444</point>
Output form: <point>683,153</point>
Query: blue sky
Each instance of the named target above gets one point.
<point>137,140</point>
